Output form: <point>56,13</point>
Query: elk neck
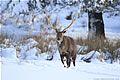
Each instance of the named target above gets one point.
<point>61,44</point>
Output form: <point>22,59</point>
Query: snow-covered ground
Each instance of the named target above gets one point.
<point>13,69</point>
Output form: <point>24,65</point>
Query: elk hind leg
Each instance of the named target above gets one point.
<point>73,58</point>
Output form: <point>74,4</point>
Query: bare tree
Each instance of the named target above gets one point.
<point>95,9</point>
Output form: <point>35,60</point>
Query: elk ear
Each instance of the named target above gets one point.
<point>63,31</point>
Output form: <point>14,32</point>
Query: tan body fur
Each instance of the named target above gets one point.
<point>67,49</point>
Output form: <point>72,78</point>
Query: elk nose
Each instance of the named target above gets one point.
<point>58,38</point>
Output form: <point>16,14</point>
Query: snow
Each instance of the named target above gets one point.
<point>110,22</point>
<point>54,70</point>
<point>22,6</point>
<point>31,54</point>
<point>39,68</point>
<point>0,69</point>
<point>8,53</point>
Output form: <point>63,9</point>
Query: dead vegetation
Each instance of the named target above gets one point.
<point>103,46</point>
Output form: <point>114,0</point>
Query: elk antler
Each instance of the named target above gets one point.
<point>73,19</point>
<point>50,22</point>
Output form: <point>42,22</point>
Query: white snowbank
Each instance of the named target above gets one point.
<point>26,49</point>
<point>54,70</point>
<point>8,53</point>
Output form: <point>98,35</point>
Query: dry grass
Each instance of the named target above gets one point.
<point>43,43</point>
<point>101,45</point>
<point>3,37</point>
<point>98,44</point>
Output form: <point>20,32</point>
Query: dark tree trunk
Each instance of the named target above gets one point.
<point>95,25</point>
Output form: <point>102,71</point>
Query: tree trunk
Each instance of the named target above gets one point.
<point>95,25</point>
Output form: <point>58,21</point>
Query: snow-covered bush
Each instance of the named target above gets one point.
<point>92,56</point>
<point>28,49</point>
<point>8,53</point>
<point>19,49</point>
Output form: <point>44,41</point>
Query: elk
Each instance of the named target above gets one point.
<point>65,44</point>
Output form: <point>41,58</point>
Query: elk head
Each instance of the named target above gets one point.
<point>60,34</point>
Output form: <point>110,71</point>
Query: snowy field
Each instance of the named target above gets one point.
<point>53,70</point>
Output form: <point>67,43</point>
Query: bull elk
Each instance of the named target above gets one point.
<point>65,44</point>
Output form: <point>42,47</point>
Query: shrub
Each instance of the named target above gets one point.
<point>103,46</point>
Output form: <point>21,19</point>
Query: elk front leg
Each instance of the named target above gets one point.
<point>62,60</point>
<point>68,61</point>
<point>74,58</point>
